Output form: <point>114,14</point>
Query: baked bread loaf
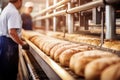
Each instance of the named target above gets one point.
<point>43,41</point>
<point>65,56</point>
<point>28,34</point>
<point>110,43</point>
<point>52,51</point>
<point>33,38</point>
<point>46,43</point>
<point>116,47</point>
<point>79,61</point>
<point>111,73</point>
<point>61,49</point>
<point>89,54</point>
<point>50,46</point>
<point>94,69</point>
<point>73,60</point>
<point>36,41</point>
<point>95,42</point>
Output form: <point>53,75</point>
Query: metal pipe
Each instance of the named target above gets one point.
<point>110,22</point>
<point>70,20</point>
<point>54,18</point>
<point>103,26</point>
<point>47,24</point>
<point>61,3</point>
<point>52,7</point>
<point>63,12</point>
<point>61,6</point>
<point>86,6</point>
<point>73,10</point>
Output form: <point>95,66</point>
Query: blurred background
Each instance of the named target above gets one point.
<point>38,4</point>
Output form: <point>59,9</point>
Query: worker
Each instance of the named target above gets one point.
<point>26,16</point>
<point>10,31</point>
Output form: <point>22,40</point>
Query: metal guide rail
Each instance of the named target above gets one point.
<point>99,47</point>
<point>26,69</point>
<point>52,69</point>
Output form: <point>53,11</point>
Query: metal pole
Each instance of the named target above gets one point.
<point>54,18</point>
<point>63,12</point>
<point>96,16</point>
<point>70,20</point>
<point>47,20</point>
<point>110,22</point>
<point>102,28</point>
<point>86,6</point>
<point>81,21</point>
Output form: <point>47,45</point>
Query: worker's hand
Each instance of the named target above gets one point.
<point>25,46</point>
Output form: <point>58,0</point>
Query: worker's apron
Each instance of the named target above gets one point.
<point>8,58</point>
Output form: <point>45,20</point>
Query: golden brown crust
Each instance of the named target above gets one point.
<point>81,63</point>
<point>111,73</point>
<point>94,69</point>
<point>66,55</point>
<point>60,50</point>
<point>57,47</point>
<point>90,53</point>
<point>50,46</point>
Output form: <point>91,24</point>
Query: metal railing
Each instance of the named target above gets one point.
<point>52,7</point>
<point>86,6</point>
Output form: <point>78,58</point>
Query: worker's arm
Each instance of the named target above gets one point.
<point>13,34</point>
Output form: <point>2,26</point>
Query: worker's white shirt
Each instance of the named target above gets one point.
<point>10,18</point>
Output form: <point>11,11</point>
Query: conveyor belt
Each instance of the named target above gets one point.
<point>53,70</point>
<point>39,72</point>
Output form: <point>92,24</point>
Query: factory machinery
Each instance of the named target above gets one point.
<point>88,58</point>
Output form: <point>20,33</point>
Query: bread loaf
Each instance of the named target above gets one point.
<point>43,41</point>
<point>73,60</point>
<point>52,51</point>
<point>110,43</point>
<point>61,49</point>
<point>89,54</point>
<point>95,42</point>
<point>47,42</point>
<point>50,46</point>
<point>37,41</point>
<point>111,73</point>
<point>28,34</point>
<point>79,61</point>
<point>94,69</point>
<point>66,55</point>
<point>33,38</point>
<point>116,47</point>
